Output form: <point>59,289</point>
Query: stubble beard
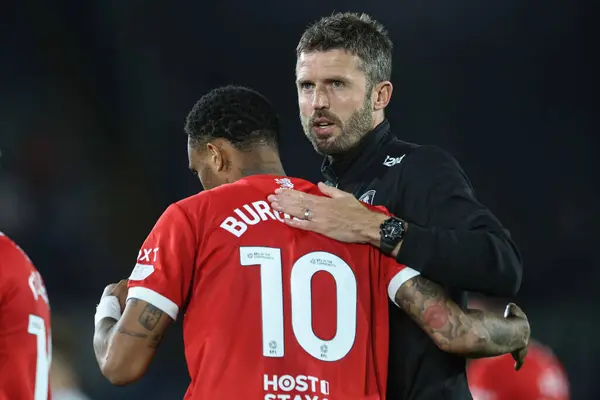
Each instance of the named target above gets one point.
<point>352,131</point>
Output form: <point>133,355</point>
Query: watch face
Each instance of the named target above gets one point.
<point>393,228</point>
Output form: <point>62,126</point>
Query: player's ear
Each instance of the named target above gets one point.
<point>381,95</point>
<point>216,156</point>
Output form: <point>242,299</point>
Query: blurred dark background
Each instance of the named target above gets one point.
<point>93,97</point>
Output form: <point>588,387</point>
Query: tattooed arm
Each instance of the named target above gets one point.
<point>470,333</point>
<point>124,348</point>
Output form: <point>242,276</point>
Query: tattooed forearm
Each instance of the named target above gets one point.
<point>125,348</point>
<point>503,335</point>
<point>104,331</point>
<point>124,331</point>
<point>149,317</point>
<point>155,342</point>
<point>470,333</point>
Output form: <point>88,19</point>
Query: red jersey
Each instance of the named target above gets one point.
<point>24,327</point>
<point>541,378</point>
<point>274,312</point>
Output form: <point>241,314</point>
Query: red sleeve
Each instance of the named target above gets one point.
<point>163,272</point>
<point>394,274</point>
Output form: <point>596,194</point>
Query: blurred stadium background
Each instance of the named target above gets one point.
<point>94,94</point>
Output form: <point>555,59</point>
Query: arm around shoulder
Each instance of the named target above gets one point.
<point>470,333</point>
<point>463,245</point>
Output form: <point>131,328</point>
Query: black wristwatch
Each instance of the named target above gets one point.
<point>392,232</point>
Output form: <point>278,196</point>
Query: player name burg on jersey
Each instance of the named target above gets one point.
<point>250,214</point>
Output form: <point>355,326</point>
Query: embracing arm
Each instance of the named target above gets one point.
<point>124,348</point>
<point>461,243</point>
<point>464,245</point>
<point>469,333</point>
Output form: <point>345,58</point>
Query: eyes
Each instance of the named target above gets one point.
<point>335,84</point>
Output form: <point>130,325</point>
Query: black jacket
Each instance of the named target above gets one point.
<point>452,239</point>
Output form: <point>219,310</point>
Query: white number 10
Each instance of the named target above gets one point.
<point>271,283</point>
<point>42,366</point>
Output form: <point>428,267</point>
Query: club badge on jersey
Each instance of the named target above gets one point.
<point>284,183</point>
<point>367,197</point>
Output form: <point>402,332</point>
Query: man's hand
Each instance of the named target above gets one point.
<point>513,311</point>
<point>119,290</point>
<point>339,216</point>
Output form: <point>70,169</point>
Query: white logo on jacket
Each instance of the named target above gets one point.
<point>391,161</point>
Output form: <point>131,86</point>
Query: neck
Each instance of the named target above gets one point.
<point>261,163</point>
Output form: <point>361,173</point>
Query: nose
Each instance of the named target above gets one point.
<point>320,100</point>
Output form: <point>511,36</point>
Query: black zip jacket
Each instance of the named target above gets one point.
<point>452,239</point>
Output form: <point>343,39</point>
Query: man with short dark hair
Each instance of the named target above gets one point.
<point>343,71</point>
<point>260,321</point>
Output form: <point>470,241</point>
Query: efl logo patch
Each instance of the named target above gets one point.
<point>367,197</point>
<point>141,272</point>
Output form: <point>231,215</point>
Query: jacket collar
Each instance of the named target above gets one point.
<point>357,158</point>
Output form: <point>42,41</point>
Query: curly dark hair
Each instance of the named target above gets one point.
<point>358,34</point>
<point>238,114</point>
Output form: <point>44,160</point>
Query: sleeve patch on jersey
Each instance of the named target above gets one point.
<point>397,281</point>
<point>141,272</point>
<point>156,299</point>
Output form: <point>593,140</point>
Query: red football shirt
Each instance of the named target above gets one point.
<point>274,312</point>
<point>24,327</point>
<point>541,378</point>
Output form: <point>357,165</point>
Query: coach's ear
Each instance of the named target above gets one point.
<point>382,94</point>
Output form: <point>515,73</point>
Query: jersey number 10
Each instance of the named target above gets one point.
<point>271,285</point>
<point>37,328</point>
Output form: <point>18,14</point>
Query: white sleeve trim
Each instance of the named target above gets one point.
<point>154,298</point>
<point>400,279</point>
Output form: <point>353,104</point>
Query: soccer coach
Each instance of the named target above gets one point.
<point>344,64</point>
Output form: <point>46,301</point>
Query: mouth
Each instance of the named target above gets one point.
<point>323,127</point>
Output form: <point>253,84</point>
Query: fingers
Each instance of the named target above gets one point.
<point>512,310</point>
<point>519,365</point>
<point>293,202</point>
<point>115,289</point>
<point>291,195</point>
<point>293,210</point>
<point>289,202</point>
<point>331,191</point>
<point>519,357</point>
<point>298,223</point>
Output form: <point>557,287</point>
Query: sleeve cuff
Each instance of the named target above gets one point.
<point>416,247</point>
<point>398,280</point>
<point>157,300</point>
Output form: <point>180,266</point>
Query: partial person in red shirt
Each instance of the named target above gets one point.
<point>270,312</point>
<point>25,341</point>
<point>542,378</point>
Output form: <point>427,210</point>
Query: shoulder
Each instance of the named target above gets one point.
<point>12,256</point>
<point>429,156</point>
<point>427,165</point>
<point>413,155</point>
<point>17,272</point>
<point>191,205</point>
